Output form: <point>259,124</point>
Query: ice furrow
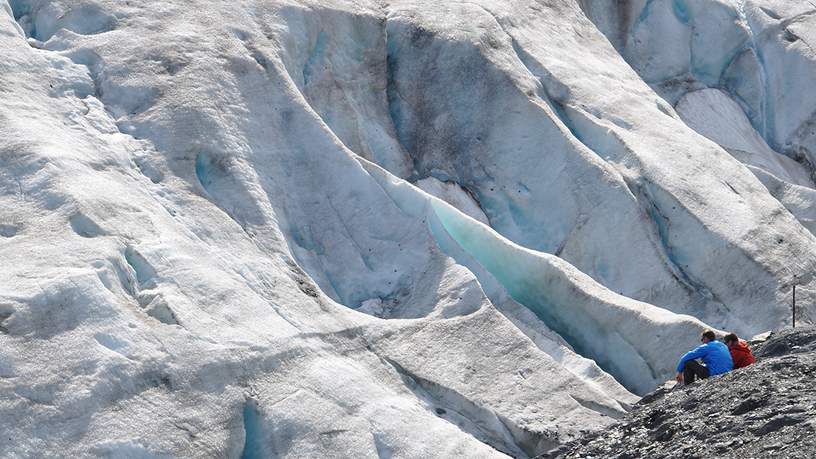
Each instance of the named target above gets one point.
<point>765,108</point>
<point>547,286</point>
<point>481,423</point>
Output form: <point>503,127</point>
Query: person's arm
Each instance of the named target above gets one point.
<point>695,353</point>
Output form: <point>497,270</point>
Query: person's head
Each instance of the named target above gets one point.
<point>708,336</point>
<point>731,339</point>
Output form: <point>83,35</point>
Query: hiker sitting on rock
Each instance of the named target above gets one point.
<point>715,355</point>
<point>740,352</point>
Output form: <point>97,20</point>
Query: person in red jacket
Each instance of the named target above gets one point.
<point>740,352</point>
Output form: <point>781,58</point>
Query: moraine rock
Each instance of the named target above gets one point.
<point>766,409</point>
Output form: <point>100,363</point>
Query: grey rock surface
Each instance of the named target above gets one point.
<point>765,410</point>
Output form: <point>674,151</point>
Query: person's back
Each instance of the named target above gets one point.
<point>716,359</point>
<point>740,352</point>
<point>715,355</point>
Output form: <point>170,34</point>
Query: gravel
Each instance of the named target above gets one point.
<point>765,410</point>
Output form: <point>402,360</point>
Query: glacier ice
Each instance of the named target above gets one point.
<point>421,229</point>
<point>760,51</point>
<point>567,300</point>
<point>714,114</point>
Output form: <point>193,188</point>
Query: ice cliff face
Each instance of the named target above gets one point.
<point>411,229</point>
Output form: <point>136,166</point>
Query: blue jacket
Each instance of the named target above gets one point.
<point>715,355</point>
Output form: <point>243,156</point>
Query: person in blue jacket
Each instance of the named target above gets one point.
<point>716,360</point>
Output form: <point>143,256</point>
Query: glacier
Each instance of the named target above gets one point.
<point>302,228</point>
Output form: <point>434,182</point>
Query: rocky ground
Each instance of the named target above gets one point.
<point>765,410</point>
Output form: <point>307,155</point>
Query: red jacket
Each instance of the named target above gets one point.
<point>741,354</point>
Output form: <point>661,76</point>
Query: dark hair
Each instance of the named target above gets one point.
<point>708,333</point>
<point>730,337</point>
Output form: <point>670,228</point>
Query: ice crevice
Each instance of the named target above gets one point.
<point>547,306</point>
<point>41,22</point>
<point>394,101</point>
<point>140,281</point>
<point>662,227</point>
<point>556,95</point>
<point>480,422</point>
<point>226,182</point>
<point>449,147</point>
<point>462,412</point>
<point>593,320</point>
<point>392,289</point>
<point>766,104</point>
<point>551,91</point>
<point>608,146</point>
<point>255,445</point>
<point>656,203</point>
<point>523,318</point>
<point>594,406</point>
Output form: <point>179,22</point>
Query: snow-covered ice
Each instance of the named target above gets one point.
<point>415,229</point>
